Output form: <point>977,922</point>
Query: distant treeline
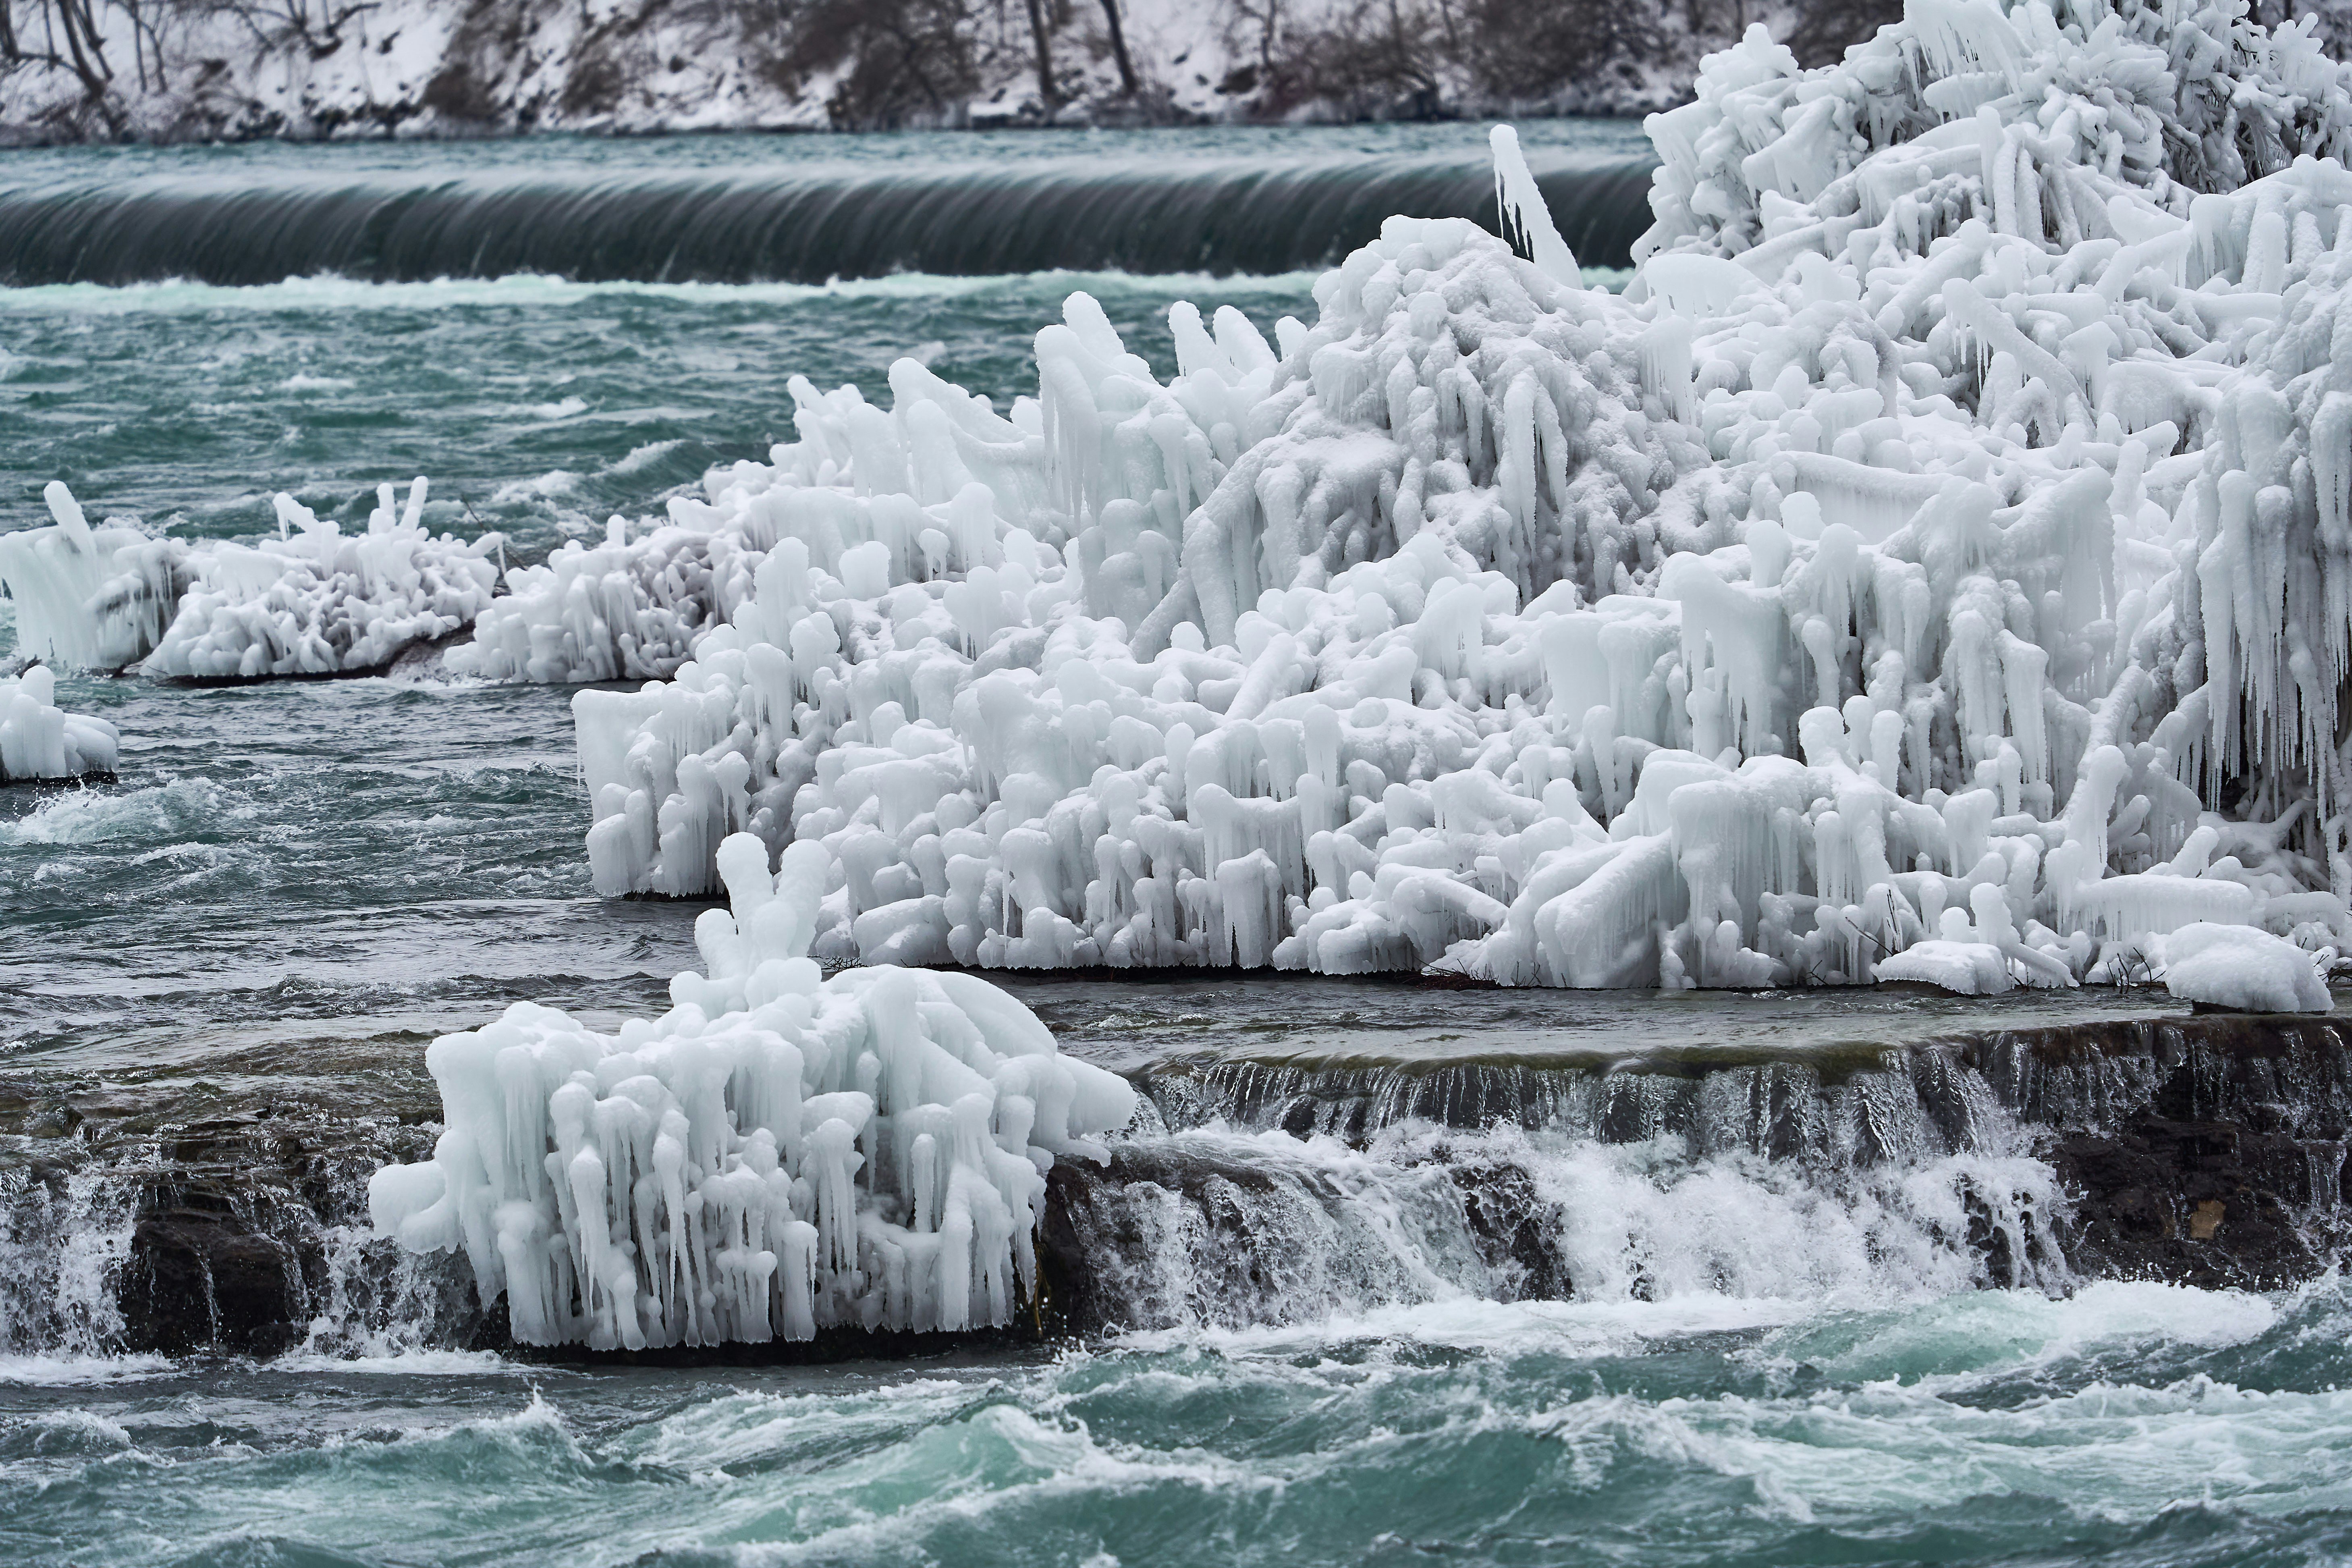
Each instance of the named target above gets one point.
<point>76,68</point>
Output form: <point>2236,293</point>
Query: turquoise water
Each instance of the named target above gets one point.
<point>536,407</point>
<point>292,888</point>
<point>2132,1424</point>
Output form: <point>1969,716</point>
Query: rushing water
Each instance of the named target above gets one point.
<point>752,208</point>
<point>1774,1350</point>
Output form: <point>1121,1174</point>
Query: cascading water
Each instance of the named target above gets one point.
<point>779,219</point>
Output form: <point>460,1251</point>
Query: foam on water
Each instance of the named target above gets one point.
<point>1649,1432</point>
<point>330,291</point>
<point>90,816</point>
<point>67,1371</point>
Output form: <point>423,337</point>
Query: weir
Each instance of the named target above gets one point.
<point>784,224</point>
<point>1262,1189</point>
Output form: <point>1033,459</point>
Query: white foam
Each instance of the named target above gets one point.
<point>70,1371</point>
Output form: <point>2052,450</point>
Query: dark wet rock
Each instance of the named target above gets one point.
<point>1515,1227</point>
<point>2205,1150</point>
<point>1103,1246</point>
<point>207,1280</point>
<point>1179,1231</point>
<point>2185,1202</point>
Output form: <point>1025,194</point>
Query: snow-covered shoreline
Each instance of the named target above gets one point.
<point>440,67</point>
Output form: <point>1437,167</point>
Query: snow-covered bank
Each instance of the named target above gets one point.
<point>1939,532</point>
<point>109,70</point>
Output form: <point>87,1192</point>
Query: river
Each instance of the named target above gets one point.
<point>291,887</point>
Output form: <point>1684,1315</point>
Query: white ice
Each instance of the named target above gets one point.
<point>310,601</point>
<point>38,740</point>
<point>776,1154</point>
<point>1936,565</point>
<point>2236,966</point>
<point>1892,583</point>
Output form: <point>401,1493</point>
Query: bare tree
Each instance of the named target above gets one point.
<point>70,39</point>
<point>1119,48</point>
<point>1037,31</point>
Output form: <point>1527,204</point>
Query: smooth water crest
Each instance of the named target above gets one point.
<point>1389,1274</point>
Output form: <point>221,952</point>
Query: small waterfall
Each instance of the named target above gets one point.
<point>239,1236</point>
<point>782,223</point>
<point>1746,1182</point>
<point>65,1238</point>
<point>2208,1151</point>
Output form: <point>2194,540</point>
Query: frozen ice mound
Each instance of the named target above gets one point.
<point>2251,971</point>
<point>39,741</point>
<point>1895,582</point>
<point>625,610</point>
<point>776,1154</point>
<point>315,601</point>
<point>312,601</point>
<point>90,597</point>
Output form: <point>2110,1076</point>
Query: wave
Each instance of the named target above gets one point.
<point>1220,218</point>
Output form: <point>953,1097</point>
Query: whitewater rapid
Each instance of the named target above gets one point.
<point>2138,1421</point>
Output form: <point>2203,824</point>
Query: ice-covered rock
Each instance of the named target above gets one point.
<point>2251,971</point>
<point>775,1154</point>
<point>315,601</point>
<point>38,740</point>
<point>1893,582</point>
<point>627,609</point>
<point>89,598</point>
<point>310,601</point>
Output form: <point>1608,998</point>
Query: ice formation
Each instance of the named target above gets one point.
<point>39,741</point>
<point>310,601</point>
<point>625,610</point>
<point>776,1154</point>
<point>89,598</point>
<point>2237,967</point>
<point>1935,565</point>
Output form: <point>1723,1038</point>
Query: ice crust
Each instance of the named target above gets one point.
<point>1895,582</point>
<point>39,741</point>
<point>2236,966</point>
<point>776,1154</point>
<point>310,601</point>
